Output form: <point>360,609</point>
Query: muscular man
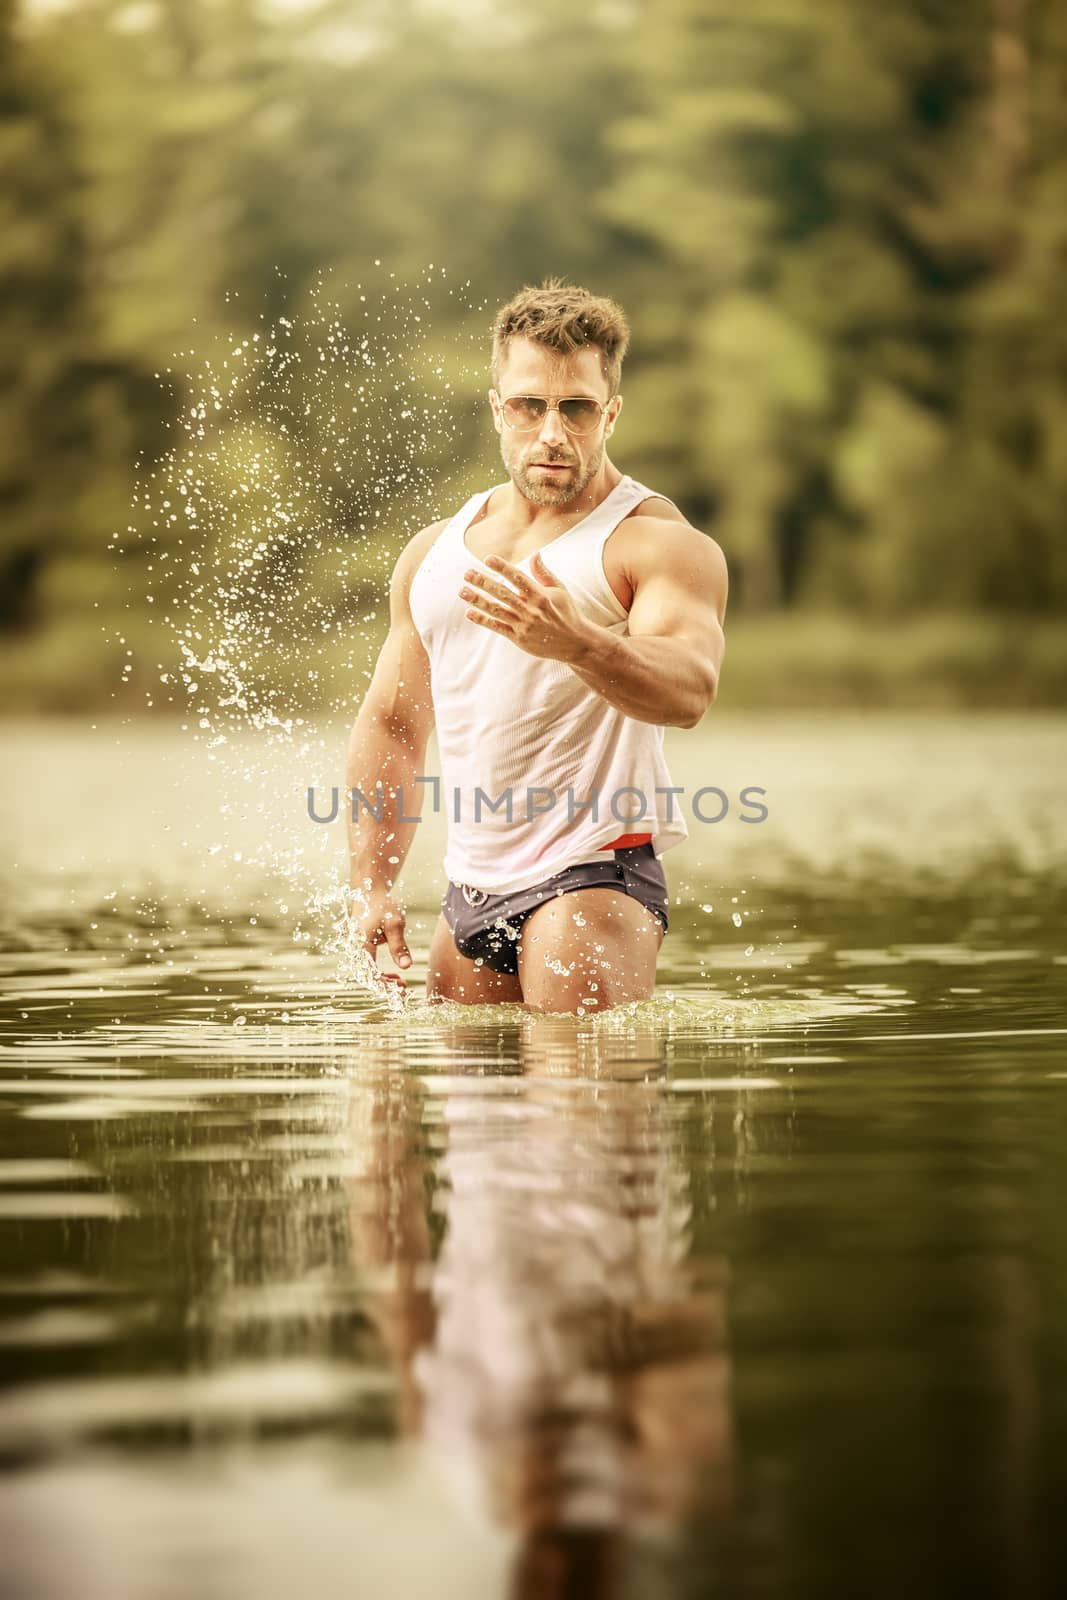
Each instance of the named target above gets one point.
<point>551,630</point>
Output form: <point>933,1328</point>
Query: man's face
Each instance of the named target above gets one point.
<point>548,465</point>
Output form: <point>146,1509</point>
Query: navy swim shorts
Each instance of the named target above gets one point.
<point>487,926</point>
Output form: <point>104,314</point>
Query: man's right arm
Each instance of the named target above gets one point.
<point>387,745</point>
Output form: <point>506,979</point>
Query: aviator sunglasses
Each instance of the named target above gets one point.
<point>525,411</point>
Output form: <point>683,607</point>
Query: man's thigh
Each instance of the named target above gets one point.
<point>592,948</point>
<point>452,976</point>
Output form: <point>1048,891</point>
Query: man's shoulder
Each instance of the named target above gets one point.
<point>656,528</point>
<point>420,542</point>
<point>658,508</point>
<point>415,551</point>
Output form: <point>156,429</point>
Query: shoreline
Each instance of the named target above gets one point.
<point>804,661</point>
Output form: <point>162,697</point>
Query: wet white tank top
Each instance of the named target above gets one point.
<point>526,732</point>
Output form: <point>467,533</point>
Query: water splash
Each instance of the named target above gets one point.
<point>311,448</point>
<point>355,965</point>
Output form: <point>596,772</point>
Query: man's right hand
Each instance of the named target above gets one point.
<point>378,919</point>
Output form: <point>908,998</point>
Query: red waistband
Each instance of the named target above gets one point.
<point>626,841</point>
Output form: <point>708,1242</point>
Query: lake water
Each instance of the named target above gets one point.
<point>757,1288</point>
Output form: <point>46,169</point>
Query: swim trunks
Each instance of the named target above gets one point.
<point>487,926</point>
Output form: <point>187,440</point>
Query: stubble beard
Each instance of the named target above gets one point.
<point>540,492</point>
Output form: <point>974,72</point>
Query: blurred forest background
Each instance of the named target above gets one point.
<point>839,230</point>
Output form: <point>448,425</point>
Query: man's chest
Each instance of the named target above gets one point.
<point>561,551</point>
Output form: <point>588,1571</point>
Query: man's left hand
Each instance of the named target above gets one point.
<point>541,618</point>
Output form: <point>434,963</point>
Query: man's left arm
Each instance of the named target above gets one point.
<point>666,668</point>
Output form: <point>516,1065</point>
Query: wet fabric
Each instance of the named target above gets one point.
<point>487,926</point>
<point>538,771</point>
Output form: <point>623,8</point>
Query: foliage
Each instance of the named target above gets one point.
<point>839,232</point>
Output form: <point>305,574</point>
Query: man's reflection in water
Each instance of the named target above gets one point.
<point>558,1353</point>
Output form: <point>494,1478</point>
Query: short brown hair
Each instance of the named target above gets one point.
<point>564,317</point>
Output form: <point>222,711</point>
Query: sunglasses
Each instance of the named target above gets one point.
<point>525,411</point>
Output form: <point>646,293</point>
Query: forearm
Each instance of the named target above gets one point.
<point>648,678</point>
<point>377,755</point>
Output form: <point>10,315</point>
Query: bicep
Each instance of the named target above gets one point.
<point>399,694</point>
<point>681,594</point>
